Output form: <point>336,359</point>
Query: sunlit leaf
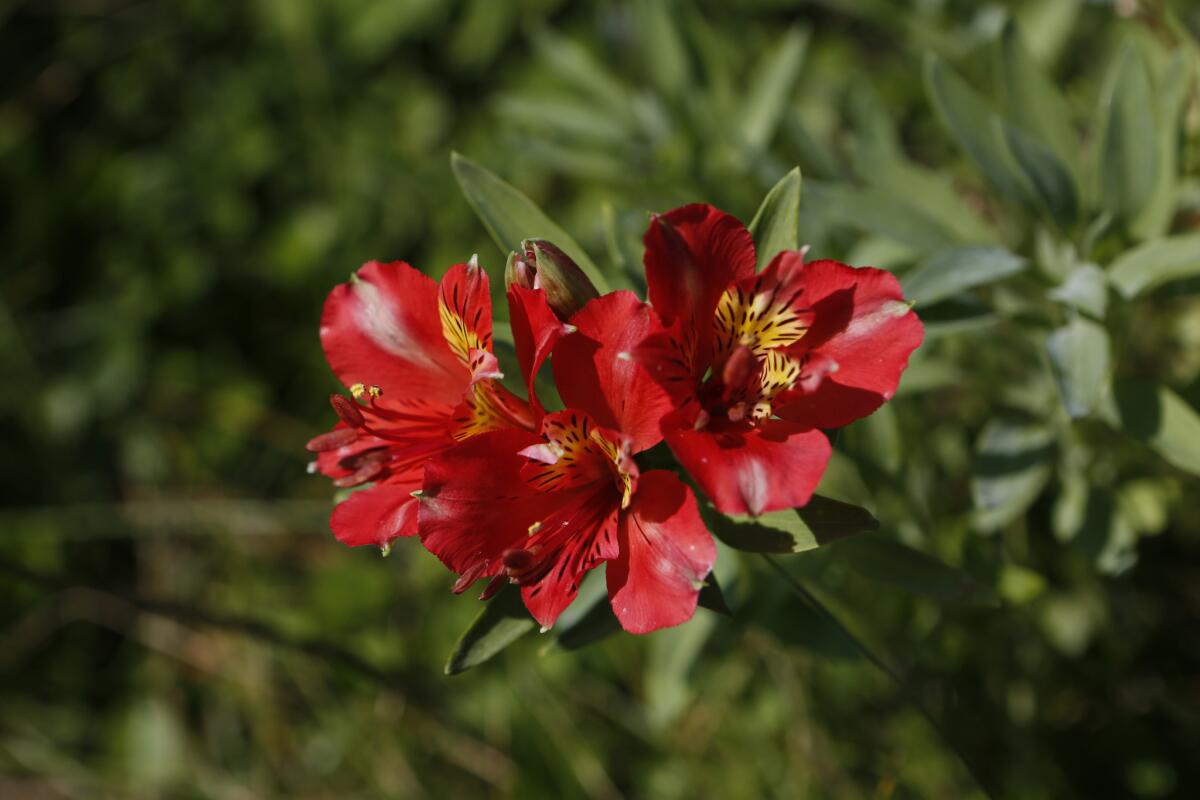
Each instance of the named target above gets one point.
<point>1161,419</point>
<point>973,123</point>
<point>1128,155</point>
<point>1080,355</point>
<point>953,271</point>
<point>1086,288</point>
<point>502,621</point>
<point>661,47</point>
<point>1013,462</point>
<point>770,88</point>
<point>776,225</point>
<point>510,216</point>
<point>1156,262</point>
<point>1032,101</point>
<point>1172,91</point>
<point>792,530</point>
<point>1051,179</point>
<point>876,210</point>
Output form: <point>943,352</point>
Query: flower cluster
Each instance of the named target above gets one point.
<point>737,371</point>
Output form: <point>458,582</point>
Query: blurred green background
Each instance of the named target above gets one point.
<point>183,183</point>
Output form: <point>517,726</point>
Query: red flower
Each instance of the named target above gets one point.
<point>540,510</point>
<point>419,360</point>
<point>757,363</point>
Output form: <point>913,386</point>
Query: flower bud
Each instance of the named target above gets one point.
<point>541,265</point>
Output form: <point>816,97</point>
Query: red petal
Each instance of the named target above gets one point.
<point>383,329</point>
<point>665,554</point>
<point>592,518</point>
<point>693,253</point>
<point>862,323</point>
<point>536,329</point>
<point>474,504</point>
<point>751,470</point>
<point>595,369</point>
<point>465,310</point>
<point>375,516</point>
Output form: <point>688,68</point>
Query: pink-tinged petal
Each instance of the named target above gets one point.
<point>375,516</point>
<point>474,503</point>
<point>748,469</point>
<point>382,329</point>
<point>665,554</point>
<point>465,310</point>
<point>693,254</point>
<point>596,368</point>
<point>862,324</point>
<point>536,330</point>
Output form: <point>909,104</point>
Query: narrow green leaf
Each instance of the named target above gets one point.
<point>771,87</point>
<point>672,653</point>
<point>1172,84</point>
<point>1049,176</point>
<point>776,225</point>
<point>972,122</point>
<point>880,162</point>
<point>888,561</point>
<point>1128,155</point>
<point>876,210</point>
<point>1080,356</point>
<point>953,271</point>
<point>1014,460</point>
<point>510,216</point>
<point>1161,419</point>
<point>572,62</point>
<point>1156,262</point>
<point>1086,289</point>
<point>792,530</point>
<point>662,47</point>
<point>1032,101</point>
<point>501,622</point>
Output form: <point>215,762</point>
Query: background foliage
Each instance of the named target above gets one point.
<point>185,181</point>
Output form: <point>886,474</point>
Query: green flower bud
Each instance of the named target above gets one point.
<point>541,265</point>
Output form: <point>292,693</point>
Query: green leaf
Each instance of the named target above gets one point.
<point>672,653</point>
<point>1161,419</point>
<point>596,624</point>
<point>1032,101</point>
<point>501,622</point>
<point>880,162</point>
<point>510,216</point>
<point>776,226</point>
<point>953,271</point>
<point>771,87</point>
<point>570,61</point>
<point>1086,289</point>
<point>1155,263</point>
<point>1173,84</point>
<point>876,210</point>
<point>1080,357</point>
<point>1013,462</point>
<point>712,598</point>
<point>973,123</point>
<point>888,561</point>
<point>792,530</point>
<point>1128,155</point>
<point>1050,178</point>
<point>662,47</point>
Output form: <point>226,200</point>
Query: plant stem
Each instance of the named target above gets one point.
<point>816,605</point>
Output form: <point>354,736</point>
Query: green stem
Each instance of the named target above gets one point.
<point>816,605</point>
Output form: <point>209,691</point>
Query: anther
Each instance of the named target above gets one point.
<point>338,437</point>
<point>347,411</point>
